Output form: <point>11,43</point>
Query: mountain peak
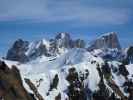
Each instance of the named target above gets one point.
<point>107,40</point>
<point>17,51</point>
<point>63,40</point>
<point>108,34</point>
<point>62,35</point>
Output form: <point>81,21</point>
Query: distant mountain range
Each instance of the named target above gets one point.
<point>24,51</point>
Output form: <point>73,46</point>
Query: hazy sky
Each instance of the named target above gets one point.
<point>86,19</point>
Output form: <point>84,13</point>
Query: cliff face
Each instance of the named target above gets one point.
<point>63,40</point>
<point>17,51</point>
<point>129,55</point>
<point>108,40</point>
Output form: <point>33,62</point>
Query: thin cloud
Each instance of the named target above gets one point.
<point>72,12</point>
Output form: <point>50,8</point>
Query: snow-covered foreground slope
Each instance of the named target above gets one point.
<point>43,70</point>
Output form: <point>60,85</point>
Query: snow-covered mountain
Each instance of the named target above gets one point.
<point>24,51</point>
<point>63,69</point>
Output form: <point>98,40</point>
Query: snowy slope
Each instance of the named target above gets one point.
<point>46,70</point>
<point>42,71</point>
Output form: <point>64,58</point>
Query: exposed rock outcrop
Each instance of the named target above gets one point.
<point>130,54</point>
<point>63,40</point>
<point>108,40</point>
<point>17,51</point>
<point>79,43</point>
<point>34,89</point>
<point>11,86</point>
<point>36,49</point>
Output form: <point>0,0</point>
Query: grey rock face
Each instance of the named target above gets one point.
<point>53,47</point>
<point>129,55</point>
<point>63,40</point>
<point>17,52</point>
<point>79,43</point>
<point>38,49</point>
<point>109,40</point>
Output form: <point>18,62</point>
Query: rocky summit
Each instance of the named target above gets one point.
<point>107,40</point>
<point>17,51</point>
